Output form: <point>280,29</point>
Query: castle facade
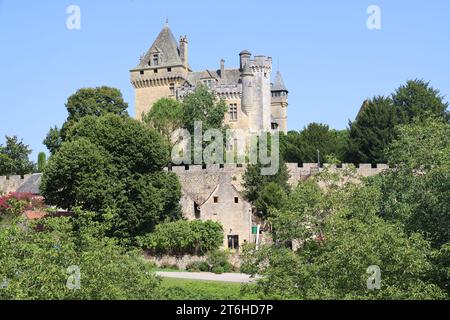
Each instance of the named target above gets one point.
<point>255,103</point>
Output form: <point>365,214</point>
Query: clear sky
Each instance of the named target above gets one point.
<point>329,59</point>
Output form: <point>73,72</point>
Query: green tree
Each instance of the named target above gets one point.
<point>419,99</point>
<point>14,157</point>
<point>372,131</point>
<point>202,105</point>
<point>255,182</point>
<point>86,102</point>
<point>303,146</point>
<point>184,237</point>
<point>53,140</point>
<point>416,193</point>
<point>165,116</point>
<point>42,161</point>
<point>339,228</point>
<point>272,196</point>
<point>95,102</point>
<point>114,164</point>
<point>35,263</point>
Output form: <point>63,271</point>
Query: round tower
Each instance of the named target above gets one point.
<point>247,90</point>
<point>244,58</point>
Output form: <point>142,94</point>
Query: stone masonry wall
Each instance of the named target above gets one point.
<point>12,183</point>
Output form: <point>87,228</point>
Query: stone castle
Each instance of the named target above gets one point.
<point>255,104</point>
<point>212,192</point>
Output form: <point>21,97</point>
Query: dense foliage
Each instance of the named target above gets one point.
<point>43,265</point>
<point>86,102</point>
<point>316,142</point>
<point>14,158</point>
<point>114,164</point>
<point>165,116</point>
<point>184,237</point>
<point>374,127</point>
<point>397,221</point>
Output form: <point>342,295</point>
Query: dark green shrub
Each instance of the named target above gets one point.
<point>198,266</point>
<point>218,270</point>
<point>219,259</point>
<point>183,237</point>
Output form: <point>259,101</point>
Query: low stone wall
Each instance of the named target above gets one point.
<point>183,261</point>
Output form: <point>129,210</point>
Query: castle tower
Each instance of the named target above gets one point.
<point>184,51</point>
<point>247,90</point>
<point>279,104</point>
<point>160,72</point>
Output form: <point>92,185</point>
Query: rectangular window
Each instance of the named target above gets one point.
<point>233,242</point>
<point>172,89</point>
<point>155,60</point>
<point>197,211</point>
<point>216,199</point>
<point>155,70</point>
<point>169,69</point>
<point>142,72</point>
<point>236,200</point>
<point>208,83</point>
<point>233,112</point>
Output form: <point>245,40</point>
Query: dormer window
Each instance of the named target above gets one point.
<point>155,59</point>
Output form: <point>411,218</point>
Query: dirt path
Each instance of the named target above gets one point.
<point>208,276</point>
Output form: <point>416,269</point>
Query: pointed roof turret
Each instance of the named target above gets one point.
<point>164,52</point>
<point>279,83</point>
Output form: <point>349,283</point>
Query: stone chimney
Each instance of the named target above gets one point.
<point>222,68</point>
<point>184,51</point>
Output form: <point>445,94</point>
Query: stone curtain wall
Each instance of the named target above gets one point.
<point>206,177</point>
<point>12,183</point>
<point>198,177</point>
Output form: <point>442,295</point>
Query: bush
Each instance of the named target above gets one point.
<point>218,270</point>
<point>15,204</point>
<point>183,237</point>
<point>198,266</point>
<point>218,260</point>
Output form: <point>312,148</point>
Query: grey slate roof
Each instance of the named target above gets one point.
<point>279,83</point>
<point>167,46</point>
<point>31,185</point>
<point>230,76</point>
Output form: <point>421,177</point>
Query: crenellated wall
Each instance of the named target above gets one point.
<point>207,177</point>
<point>197,176</point>
<point>12,183</point>
<point>27,183</point>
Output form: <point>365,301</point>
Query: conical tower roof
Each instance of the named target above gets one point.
<point>279,83</point>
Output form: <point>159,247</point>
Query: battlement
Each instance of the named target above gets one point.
<point>12,183</point>
<point>297,171</point>
<point>28,183</point>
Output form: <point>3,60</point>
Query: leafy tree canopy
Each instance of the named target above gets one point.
<point>165,116</point>
<point>86,102</point>
<point>114,164</point>
<point>14,157</point>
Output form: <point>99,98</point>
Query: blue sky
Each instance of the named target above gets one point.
<point>329,59</point>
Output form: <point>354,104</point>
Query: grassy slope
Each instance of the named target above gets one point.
<point>182,289</point>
